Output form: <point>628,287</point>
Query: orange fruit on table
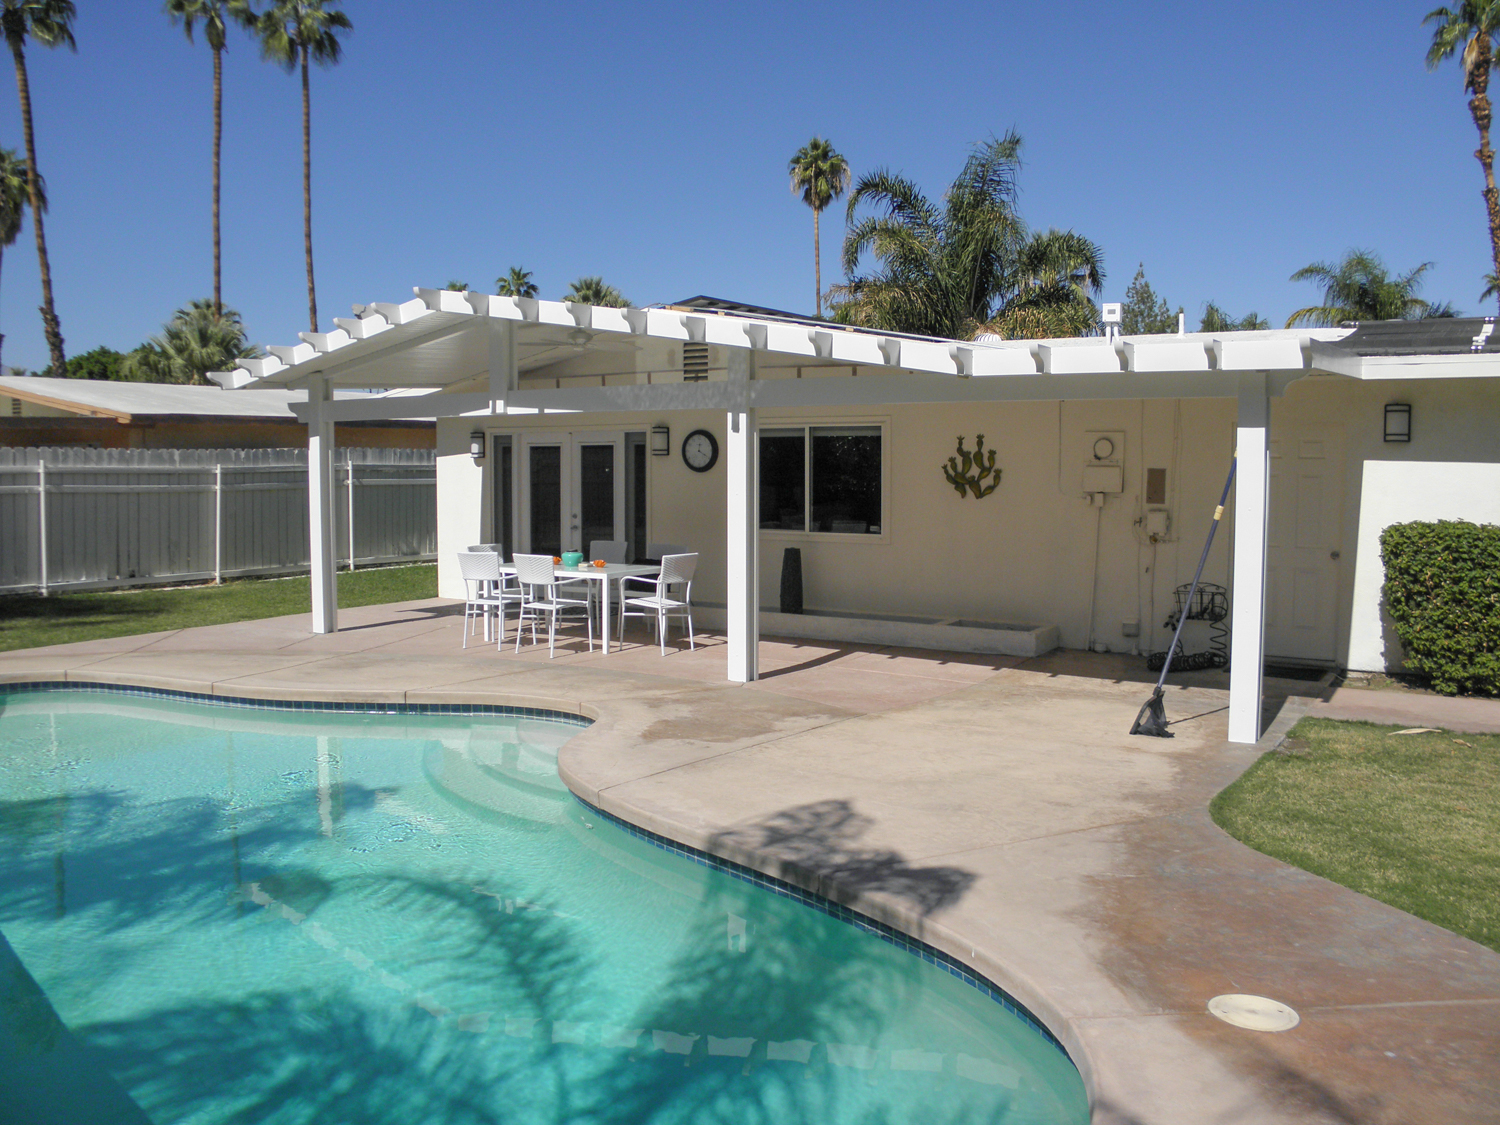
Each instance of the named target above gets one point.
<point>600,563</point>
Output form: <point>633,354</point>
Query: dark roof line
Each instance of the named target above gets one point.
<point>1442,335</point>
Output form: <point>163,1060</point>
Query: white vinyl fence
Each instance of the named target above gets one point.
<point>80,518</point>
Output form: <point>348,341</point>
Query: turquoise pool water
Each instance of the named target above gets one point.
<point>218,915</point>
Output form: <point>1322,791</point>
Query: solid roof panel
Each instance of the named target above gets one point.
<point>1444,335</point>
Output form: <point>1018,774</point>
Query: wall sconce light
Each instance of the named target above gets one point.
<point>476,445</point>
<point>661,441</point>
<point>1398,421</point>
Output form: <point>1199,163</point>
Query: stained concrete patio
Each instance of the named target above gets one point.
<point>996,808</point>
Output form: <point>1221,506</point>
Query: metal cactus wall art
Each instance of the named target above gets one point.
<point>972,473</point>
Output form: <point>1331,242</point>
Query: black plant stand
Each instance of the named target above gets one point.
<point>791,580</point>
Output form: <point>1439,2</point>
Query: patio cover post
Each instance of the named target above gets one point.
<point>741,456</point>
<point>1248,623</point>
<point>325,602</point>
<point>501,349</point>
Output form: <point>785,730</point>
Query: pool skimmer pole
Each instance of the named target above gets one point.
<point>1152,719</point>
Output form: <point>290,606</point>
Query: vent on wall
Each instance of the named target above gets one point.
<point>15,407</point>
<point>694,363</point>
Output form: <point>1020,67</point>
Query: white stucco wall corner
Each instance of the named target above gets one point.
<point>1400,492</point>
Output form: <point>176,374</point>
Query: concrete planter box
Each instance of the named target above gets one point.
<point>946,634</point>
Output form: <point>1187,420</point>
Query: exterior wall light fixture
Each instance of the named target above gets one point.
<point>661,441</point>
<point>476,445</point>
<point>1398,421</point>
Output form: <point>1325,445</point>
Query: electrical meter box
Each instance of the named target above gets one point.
<point>1104,461</point>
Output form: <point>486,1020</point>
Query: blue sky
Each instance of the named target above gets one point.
<point>1224,146</point>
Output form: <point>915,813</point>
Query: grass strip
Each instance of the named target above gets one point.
<point>1412,820</point>
<point>30,621</point>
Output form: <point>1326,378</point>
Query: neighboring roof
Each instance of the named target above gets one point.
<point>719,304</point>
<point>124,402</point>
<point>108,398</point>
<point>1444,335</point>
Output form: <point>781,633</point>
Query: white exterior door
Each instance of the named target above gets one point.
<point>572,490</point>
<point>1302,550</point>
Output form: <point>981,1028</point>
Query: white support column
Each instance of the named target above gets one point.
<point>742,465</point>
<point>1248,621</point>
<point>502,363</point>
<point>325,602</point>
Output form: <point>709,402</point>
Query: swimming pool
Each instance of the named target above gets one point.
<point>258,915</point>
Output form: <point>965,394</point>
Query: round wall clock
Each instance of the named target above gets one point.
<point>700,451</point>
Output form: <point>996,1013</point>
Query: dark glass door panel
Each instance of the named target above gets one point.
<point>596,494</point>
<point>545,491</point>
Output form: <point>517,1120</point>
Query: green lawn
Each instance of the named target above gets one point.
<point>1412,820</point>
<point>27,620</point>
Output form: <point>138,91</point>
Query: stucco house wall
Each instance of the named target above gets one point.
<point>1039,550</point>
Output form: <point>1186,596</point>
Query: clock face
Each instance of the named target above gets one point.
<point>700,449</point>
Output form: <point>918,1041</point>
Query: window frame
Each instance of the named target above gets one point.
<point>807,425</point>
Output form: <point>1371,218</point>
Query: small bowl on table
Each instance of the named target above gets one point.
<point>572,559</point>
<point>600,563</point>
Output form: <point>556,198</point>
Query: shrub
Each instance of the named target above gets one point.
<point>1442,590</point>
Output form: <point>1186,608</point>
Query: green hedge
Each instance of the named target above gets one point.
<point>1442,590</point>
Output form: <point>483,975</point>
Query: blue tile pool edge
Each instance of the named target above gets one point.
<point>901,940</point>
<point>904,941</point>
<point>303,705</point>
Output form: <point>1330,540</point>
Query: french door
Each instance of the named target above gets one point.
<point>571,490</point>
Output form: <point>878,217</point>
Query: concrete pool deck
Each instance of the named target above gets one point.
<point>995,808</point>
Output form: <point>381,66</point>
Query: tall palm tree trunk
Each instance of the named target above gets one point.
<point>1479,107</point>
<point>312,299</point>
<point>817,263</point>
<point>50,325</point>
<point>218,137</point>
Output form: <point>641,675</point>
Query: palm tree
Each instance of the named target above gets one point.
<point>213,13</point>
<point>294,32</point>
<point>516,283</point>
<point>1358,288</point>
<point>198,339</point>
<point>967,266</point>
<point>49,23</point>
<point>1472,25</point>
<point>821,175</point>
<point>593,291</point>
<point>15,197</point>
<point>1216,319</point>
<point>457,286</point>
<point>1057,271</point>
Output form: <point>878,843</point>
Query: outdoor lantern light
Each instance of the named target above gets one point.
<point>476,445</point>
<point>1398,421</point>
<point>661,441</point>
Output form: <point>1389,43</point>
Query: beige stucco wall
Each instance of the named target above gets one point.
<point>1026,553</point>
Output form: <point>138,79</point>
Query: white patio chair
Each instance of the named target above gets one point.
<point>662,602</point>
<point>486,590</point>
<point>537,575</point>
<point>610,550</point>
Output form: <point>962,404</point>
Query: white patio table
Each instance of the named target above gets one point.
<point>608,577</point>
